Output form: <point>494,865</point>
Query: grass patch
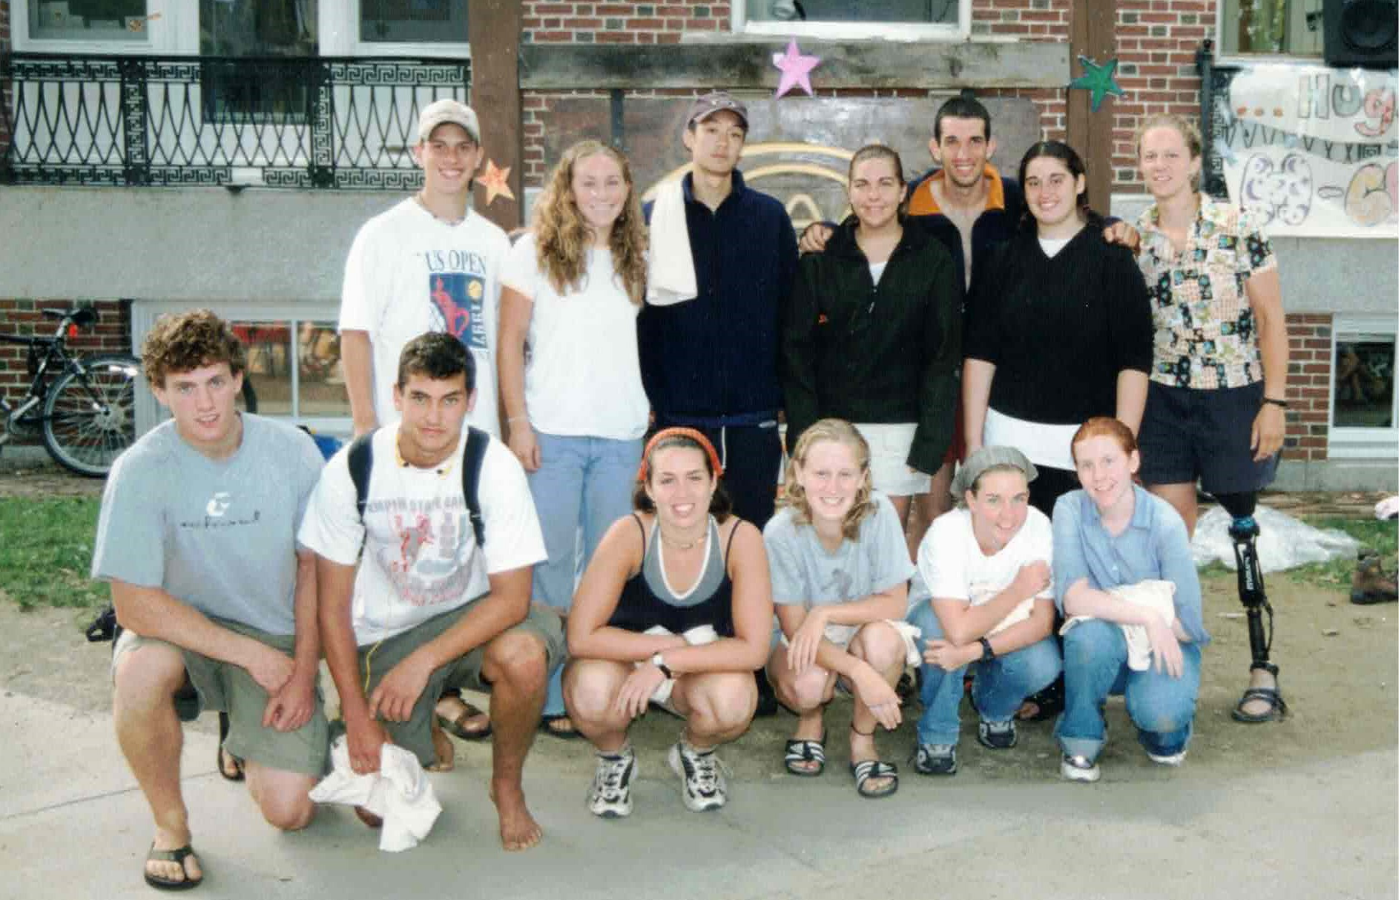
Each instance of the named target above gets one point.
<point>1373,533</point>
<point>46,551</point>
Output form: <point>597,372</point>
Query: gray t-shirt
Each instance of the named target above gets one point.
<point>219,535</point>
<point>805,573</point>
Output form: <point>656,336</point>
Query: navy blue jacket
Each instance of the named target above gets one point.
<point>716,357</point>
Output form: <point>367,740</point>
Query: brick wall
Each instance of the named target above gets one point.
<point>111,334</point>
<point>1309,386</point>
<point>618,22</point>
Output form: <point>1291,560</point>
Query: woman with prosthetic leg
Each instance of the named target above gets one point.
<point>1215,401</point>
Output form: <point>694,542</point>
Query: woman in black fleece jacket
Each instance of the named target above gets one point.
<point>873,334</point>
<point>1059,329</point>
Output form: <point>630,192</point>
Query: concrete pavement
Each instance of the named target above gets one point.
<point>73,825</point>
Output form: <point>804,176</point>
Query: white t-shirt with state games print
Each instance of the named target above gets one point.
<point>583,378</point>
<point>420,554</point>
<point>408,273</point>
<point>953,567</point>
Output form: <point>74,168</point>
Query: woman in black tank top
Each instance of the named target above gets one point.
<point>675,608</point>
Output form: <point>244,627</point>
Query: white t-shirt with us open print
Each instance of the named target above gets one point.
<point>420,554</point>
<point>408,273</point>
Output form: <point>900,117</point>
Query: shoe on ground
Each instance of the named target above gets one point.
<point>1078,768</point>
<point>611,794</point>
<point>1170,759</point>
<point>936,759</point>
<point>1369,583</point>
<point>997,735</point>
<point>702,782</point>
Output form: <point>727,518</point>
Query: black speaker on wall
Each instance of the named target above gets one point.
<point>1360,33</point>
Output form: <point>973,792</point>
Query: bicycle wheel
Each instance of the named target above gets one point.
<point>90,414</point>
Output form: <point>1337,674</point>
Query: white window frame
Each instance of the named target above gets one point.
<point>1354,442</point>
<point>162,32</point>
<point>145,312</point>
<point>894,31</point>
<point>339,21</point>
<point>1246,59</point>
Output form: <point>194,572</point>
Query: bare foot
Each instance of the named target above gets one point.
<point>519,830</point>
<point>170,870</point>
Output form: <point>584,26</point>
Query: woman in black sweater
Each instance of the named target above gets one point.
<point>873,334</point>
<point>1058,328</point>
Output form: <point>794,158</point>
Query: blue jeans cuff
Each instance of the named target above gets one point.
<point>1089,748</point>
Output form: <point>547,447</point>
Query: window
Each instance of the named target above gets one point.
<point>88,20</point>
<point>906,19</point>
<point>1287,27</point>
<point>294,368</point>
<point>1363,389</point>
<point>262,90</point>
<point>413,21</point>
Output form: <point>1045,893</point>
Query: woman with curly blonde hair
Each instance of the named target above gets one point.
<point>840,569</point>
<point>575,407</point>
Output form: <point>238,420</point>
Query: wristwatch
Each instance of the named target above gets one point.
<point>657,661</point>
<point>987,651</point>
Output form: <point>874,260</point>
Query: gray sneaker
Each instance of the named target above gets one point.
<point>611,794</point>
<point>702,782</point>
<point>997,735</point>
<point>1079,768</point>
<point>936,759</point>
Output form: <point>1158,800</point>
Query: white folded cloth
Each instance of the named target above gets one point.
<point>1155,595</point>
<point>841,636</point>
<point>700,634</point>
<point>399,793</point>
<point>670,267</point>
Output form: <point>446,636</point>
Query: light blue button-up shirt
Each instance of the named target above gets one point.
<point>1153,546</point>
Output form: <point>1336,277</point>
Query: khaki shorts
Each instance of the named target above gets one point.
<point>376,660</point>
<point>889,454</point>
<point>225,687</point>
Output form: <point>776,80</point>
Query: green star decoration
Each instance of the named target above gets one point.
<point>1097,79</point>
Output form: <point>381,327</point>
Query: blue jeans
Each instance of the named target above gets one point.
<point>1096,665</point>
<point>583,484</point>
<point>998,685</point>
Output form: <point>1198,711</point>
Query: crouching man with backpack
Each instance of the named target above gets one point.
<point>425,535</point>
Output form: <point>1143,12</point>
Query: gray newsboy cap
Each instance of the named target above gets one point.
<point>988,458</point>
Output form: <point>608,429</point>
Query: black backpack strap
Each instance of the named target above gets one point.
<point>471,479</point>
<point>361,461</point>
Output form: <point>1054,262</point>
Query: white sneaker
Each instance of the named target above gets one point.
<point>611,794</point>
<point>1078,768</point>
<point>702,782</point>
<point>1174,759</point>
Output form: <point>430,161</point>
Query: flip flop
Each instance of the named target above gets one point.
<point>457,727</point>
<point>178,855</point>
<point>873,768</point>
<point>797,751</point>
<point>236,774</point>
<point>549,725</point>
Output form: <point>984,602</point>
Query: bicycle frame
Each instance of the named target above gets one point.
<point>52,353</point>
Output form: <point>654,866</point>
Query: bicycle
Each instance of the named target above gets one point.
<point>88,413</point>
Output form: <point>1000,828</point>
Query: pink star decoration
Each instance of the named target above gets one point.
<point>796,69</point>
<point>496,181</point>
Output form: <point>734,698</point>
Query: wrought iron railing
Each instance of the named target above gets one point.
<point>299,122</point>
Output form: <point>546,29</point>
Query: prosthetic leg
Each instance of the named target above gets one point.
<point>1244,532</point>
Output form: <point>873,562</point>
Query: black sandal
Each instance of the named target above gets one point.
<point>869,769</point>
<point>1278,709</point>
<point>236,774</point>
<point>797,751</point>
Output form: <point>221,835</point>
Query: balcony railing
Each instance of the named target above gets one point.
<point>287,122</point>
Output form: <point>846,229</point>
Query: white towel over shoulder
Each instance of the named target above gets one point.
<point>670,267</point>
<point>1157,596</point>
<point>399,793</point>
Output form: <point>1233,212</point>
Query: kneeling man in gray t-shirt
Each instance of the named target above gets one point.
<point>197,537</point>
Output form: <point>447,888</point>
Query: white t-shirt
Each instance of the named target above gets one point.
<point>582,377</point>
<point>953,567</point>
<point>409,273</point>
<point>420,554</point>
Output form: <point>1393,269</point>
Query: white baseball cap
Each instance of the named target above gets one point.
<point>441,112</point>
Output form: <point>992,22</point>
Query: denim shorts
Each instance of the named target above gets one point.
<point>1189,433</point>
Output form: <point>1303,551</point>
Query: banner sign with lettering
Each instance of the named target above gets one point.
<point>1311,148</point>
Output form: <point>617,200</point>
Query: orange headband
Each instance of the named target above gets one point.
<point>643,471</point>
